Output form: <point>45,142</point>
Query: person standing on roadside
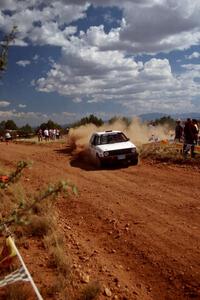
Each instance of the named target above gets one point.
<point>195,130</point>
<point>40,136</point>
<point>189,138</point>
<point>178,131</point>
<point>46,134</point>
<point>7,137</point>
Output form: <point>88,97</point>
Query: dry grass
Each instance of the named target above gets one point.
<point>91,291</point>
<point>57,287</point>
<point>39,225</point>
<point>59,259</point>
<point>167,153</point>
<point>18,291</point>
<point>41,221</point>
<point>10,197</point>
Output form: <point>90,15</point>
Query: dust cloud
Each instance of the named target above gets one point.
<point>138,132</point>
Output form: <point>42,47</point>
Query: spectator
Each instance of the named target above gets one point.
<point>57,134</point>
<point>7,137</point>
<point>46,134</point>
<point>189,138</point>
<point>195,130</point>
<point>40,136</point>
<point>178,131</point>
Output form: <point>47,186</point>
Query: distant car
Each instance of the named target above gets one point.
<point>109,147</point>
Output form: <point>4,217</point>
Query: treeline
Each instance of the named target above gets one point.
<point>91,119</point>
<point>28,131</point>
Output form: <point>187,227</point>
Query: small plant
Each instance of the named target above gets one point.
<point>59,258</point>
<point>36,216</point>
<point>91,291</point>
<point>17,291</point>
<point>14,176</point>
<point>39,225</point>
<point>21,214</point>
<point>56,287</point>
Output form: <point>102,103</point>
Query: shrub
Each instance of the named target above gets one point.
<point>91,291</point>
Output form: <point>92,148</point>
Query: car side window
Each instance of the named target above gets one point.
<point>93,140</point>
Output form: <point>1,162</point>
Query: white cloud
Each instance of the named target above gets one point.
<point>100,76</point>
<point>36,57</point>
<point>77,100</point>
<point>35,118</point>
<point>193,55</point>
<point>21,115</point>
<point>23,63</point>
<point>98,66</point>
<point>41,21</point>
<point>22,105</point>
<point>148,26</point>
<point>4,103</point>
<point>67,114</point>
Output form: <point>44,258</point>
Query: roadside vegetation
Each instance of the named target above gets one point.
<point>34,218</point>
<point>168,153</point>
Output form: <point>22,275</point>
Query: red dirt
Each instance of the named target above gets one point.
<point>134,229</point>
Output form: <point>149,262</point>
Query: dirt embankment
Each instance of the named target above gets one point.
<point>134,229</point>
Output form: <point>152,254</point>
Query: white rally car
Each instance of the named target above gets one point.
<point>111,147</point>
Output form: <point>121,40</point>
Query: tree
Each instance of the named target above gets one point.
<point>49,125</point>
<point>26,131</point>
<point>165,120</point>
<point>4,48</point>
<point>10,125</point>
<point>114,119</point>
<point>88,120</point>
<point>26,128</point>
<point>2,127</point>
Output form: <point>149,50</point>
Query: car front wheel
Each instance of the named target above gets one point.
<point>99,162</point>
<point>134,161</point>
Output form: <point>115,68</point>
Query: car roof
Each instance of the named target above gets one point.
<point>107,132</point>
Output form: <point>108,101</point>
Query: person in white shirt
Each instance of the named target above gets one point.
<point>46,134</point>
<point>7,137</point>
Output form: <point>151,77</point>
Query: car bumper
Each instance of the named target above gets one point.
<point>130,157</point>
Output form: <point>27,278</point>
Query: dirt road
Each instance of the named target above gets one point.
<point>134,229</point>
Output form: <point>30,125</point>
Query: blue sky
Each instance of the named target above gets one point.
<point>72,58</point>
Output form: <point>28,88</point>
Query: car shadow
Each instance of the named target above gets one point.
<point>90,166</point>
<point>76,160</point>
<point>66,150</point>
<point>82,161</point>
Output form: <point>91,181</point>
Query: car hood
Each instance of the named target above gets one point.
<point>116,146</point>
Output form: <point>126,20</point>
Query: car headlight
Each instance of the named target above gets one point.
<point>133,150</point>
<point>106,153</point>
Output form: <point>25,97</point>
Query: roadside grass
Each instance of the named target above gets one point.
<point>91,291</point>
<point>39,226</point>
<point>163,153</point>
<point>36,218</point>
<point>10,194</point>
<point>57,287</point>
<point>34,140</point>
<point>18,291</point>
<point>59,259</point>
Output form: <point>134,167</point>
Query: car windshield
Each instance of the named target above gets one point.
<point>112,138</point>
